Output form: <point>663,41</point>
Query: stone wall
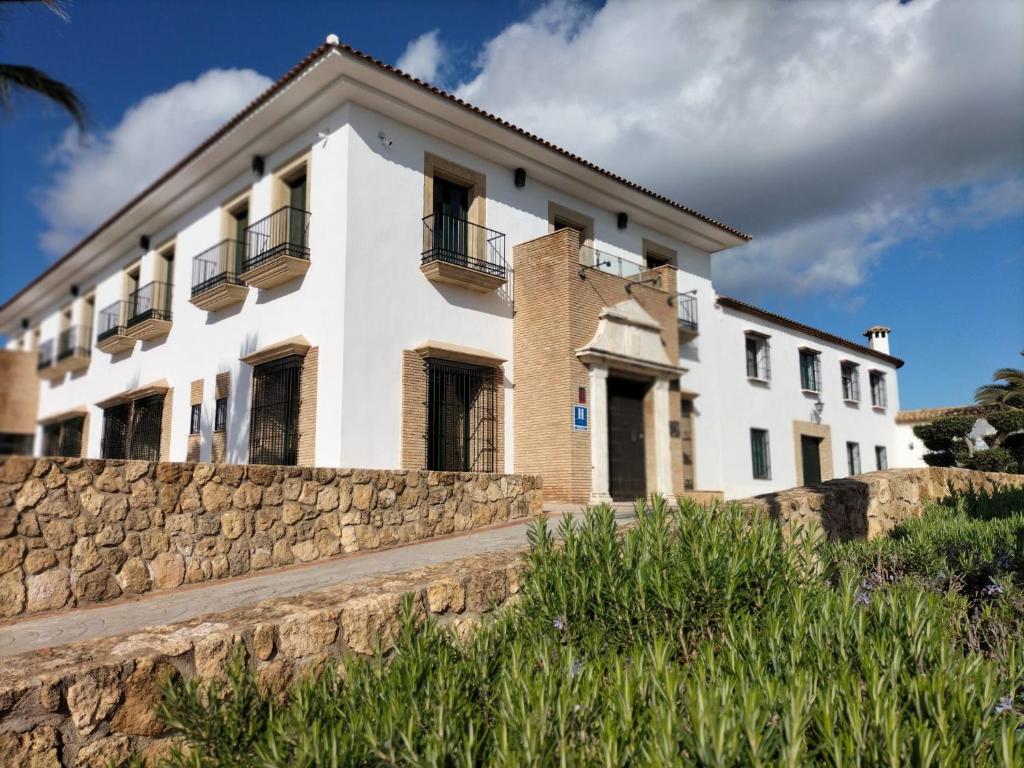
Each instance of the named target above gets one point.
<point>870,504</point>
<point>92,702</point>
<point>78,531</point>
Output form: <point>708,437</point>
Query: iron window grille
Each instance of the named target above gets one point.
<point>219,265</point>
<point>285,232</point>
<point>150,302</point>
<point>274,420</point>
<point>851,381</point>
<point>63,438</point>
<point>111,321</point>
<point>758,357</point>
<point>881,460</point>
<point>853,458</point>
<point>132,430</point>
<point>461,416</point>
<point>686,310</point>
<point>760,454</point>
<point>220,418</point>
<point>195,419</point>
<point>810,370</point>
<point>14,444</point>
<point>879,396</point>
<point>463,243</point>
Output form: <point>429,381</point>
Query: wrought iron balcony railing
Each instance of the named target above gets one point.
<point>45,355</point>
<point>217,266</point>
<point>150,302</point>
<point>111,321</point>
<point>74,341</point>
<point>285,232</point>
<point>687,310</point>
<point>464,244</point>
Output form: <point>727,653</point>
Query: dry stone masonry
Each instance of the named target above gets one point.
<point>93,702</point>
<point>869,505</point>
<point>80,531</point>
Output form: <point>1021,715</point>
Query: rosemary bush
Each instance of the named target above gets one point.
<point>696,638</point>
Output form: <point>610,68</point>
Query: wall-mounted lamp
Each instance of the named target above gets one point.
<point>25,323</point>
<point>144,242</point>
<point>257,165</point>
<point>622,220</point>
<point>651,280</point>
<point>74,291</point>
<point>520,177</point>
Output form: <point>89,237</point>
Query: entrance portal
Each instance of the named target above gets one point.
<point>626,457</point>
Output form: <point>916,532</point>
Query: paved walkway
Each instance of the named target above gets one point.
<point>157,608</point>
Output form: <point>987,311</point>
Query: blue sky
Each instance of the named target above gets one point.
<point>875,151</point>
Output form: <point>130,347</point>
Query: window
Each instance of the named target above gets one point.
<point>758,360</point>
<point>220,418</point>
<point>274,421</point>
<point>851,381</point>
<point>195,419</point>
<point>132,430</point>
<point>760,454</point>
<point>879,397</point>
<point>656,255</point>
<point>14,444</point>
<point>810,370</point>
<point>853,458</point>
<point>63,438</point>
<point>881,461</point>
<point>461,416</point>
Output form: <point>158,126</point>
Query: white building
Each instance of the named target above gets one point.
<point>361,270</point>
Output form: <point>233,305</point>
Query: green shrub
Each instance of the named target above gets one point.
<point>992,460</point>
<point>1008,420</point>
<point>696,638</point>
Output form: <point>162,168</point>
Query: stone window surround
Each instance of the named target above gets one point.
<point>160,387</point>
<point>584,222</point>
<point>810,429</point>
<point>284,173</point>
<point>433,165</point>
<point>662,253</point>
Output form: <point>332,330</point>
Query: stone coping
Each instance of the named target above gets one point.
<point>90,702</point>
<point>83,531</point>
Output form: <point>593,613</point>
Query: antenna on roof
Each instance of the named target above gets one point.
<point>332,39</point>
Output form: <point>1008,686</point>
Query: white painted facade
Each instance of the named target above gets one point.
<point>364,299</point>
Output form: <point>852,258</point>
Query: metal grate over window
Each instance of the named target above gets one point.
<point>461,416</point>
<point>220,418</point>
<point>63,438</point>
<point>132,430</point>
<point>195,420</point>
<point>274,421</point>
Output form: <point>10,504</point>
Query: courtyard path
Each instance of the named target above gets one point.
<point>37,632</point>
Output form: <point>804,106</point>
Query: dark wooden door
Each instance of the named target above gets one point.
<point>627,470</point>
<point>451,214</point>
<point>810,450</point>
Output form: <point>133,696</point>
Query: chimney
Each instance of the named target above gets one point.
<point>878,338</point>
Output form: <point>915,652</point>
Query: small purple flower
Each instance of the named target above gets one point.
<point>863,598</point>
<point>993,590</point>
<point>576,668</point>
<point>1005,705</point>
<point>559,623</point>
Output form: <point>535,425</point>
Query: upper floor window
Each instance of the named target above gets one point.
<point>657,255</point>
<point>851,381</point>
<point>760,454</point>
<point>758,357</point>
<point>810,370</point>
<point>879,396</point>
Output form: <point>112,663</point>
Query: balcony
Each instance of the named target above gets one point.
<point>149,311</point>
<point>46,362</point>
<point>686,306</point>
<point>458,252</point>
<point>111,336</point>
<point>613,265</point>
<point>215,276</point>
<point>74,350</point>
<point>278,249</point>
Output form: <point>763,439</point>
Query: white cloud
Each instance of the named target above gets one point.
<point>423,57</point>
<point>829,131</point>
<point>92,180</point>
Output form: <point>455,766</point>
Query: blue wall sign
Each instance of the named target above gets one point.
<point>580,418</point>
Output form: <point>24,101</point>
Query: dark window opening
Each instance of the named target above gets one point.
<point>881,460</point>
<point>195,419</point>
<point>14,444</point>
<point>133,430</point>
<point>274,421</point>
<point>220,418</point>
<point>461,416</point>
<point>810,370</point>
<point>63,438</point>
<point>760,454</point>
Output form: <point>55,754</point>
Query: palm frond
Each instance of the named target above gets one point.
<point>14,76</point>
<point>57,6</point>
